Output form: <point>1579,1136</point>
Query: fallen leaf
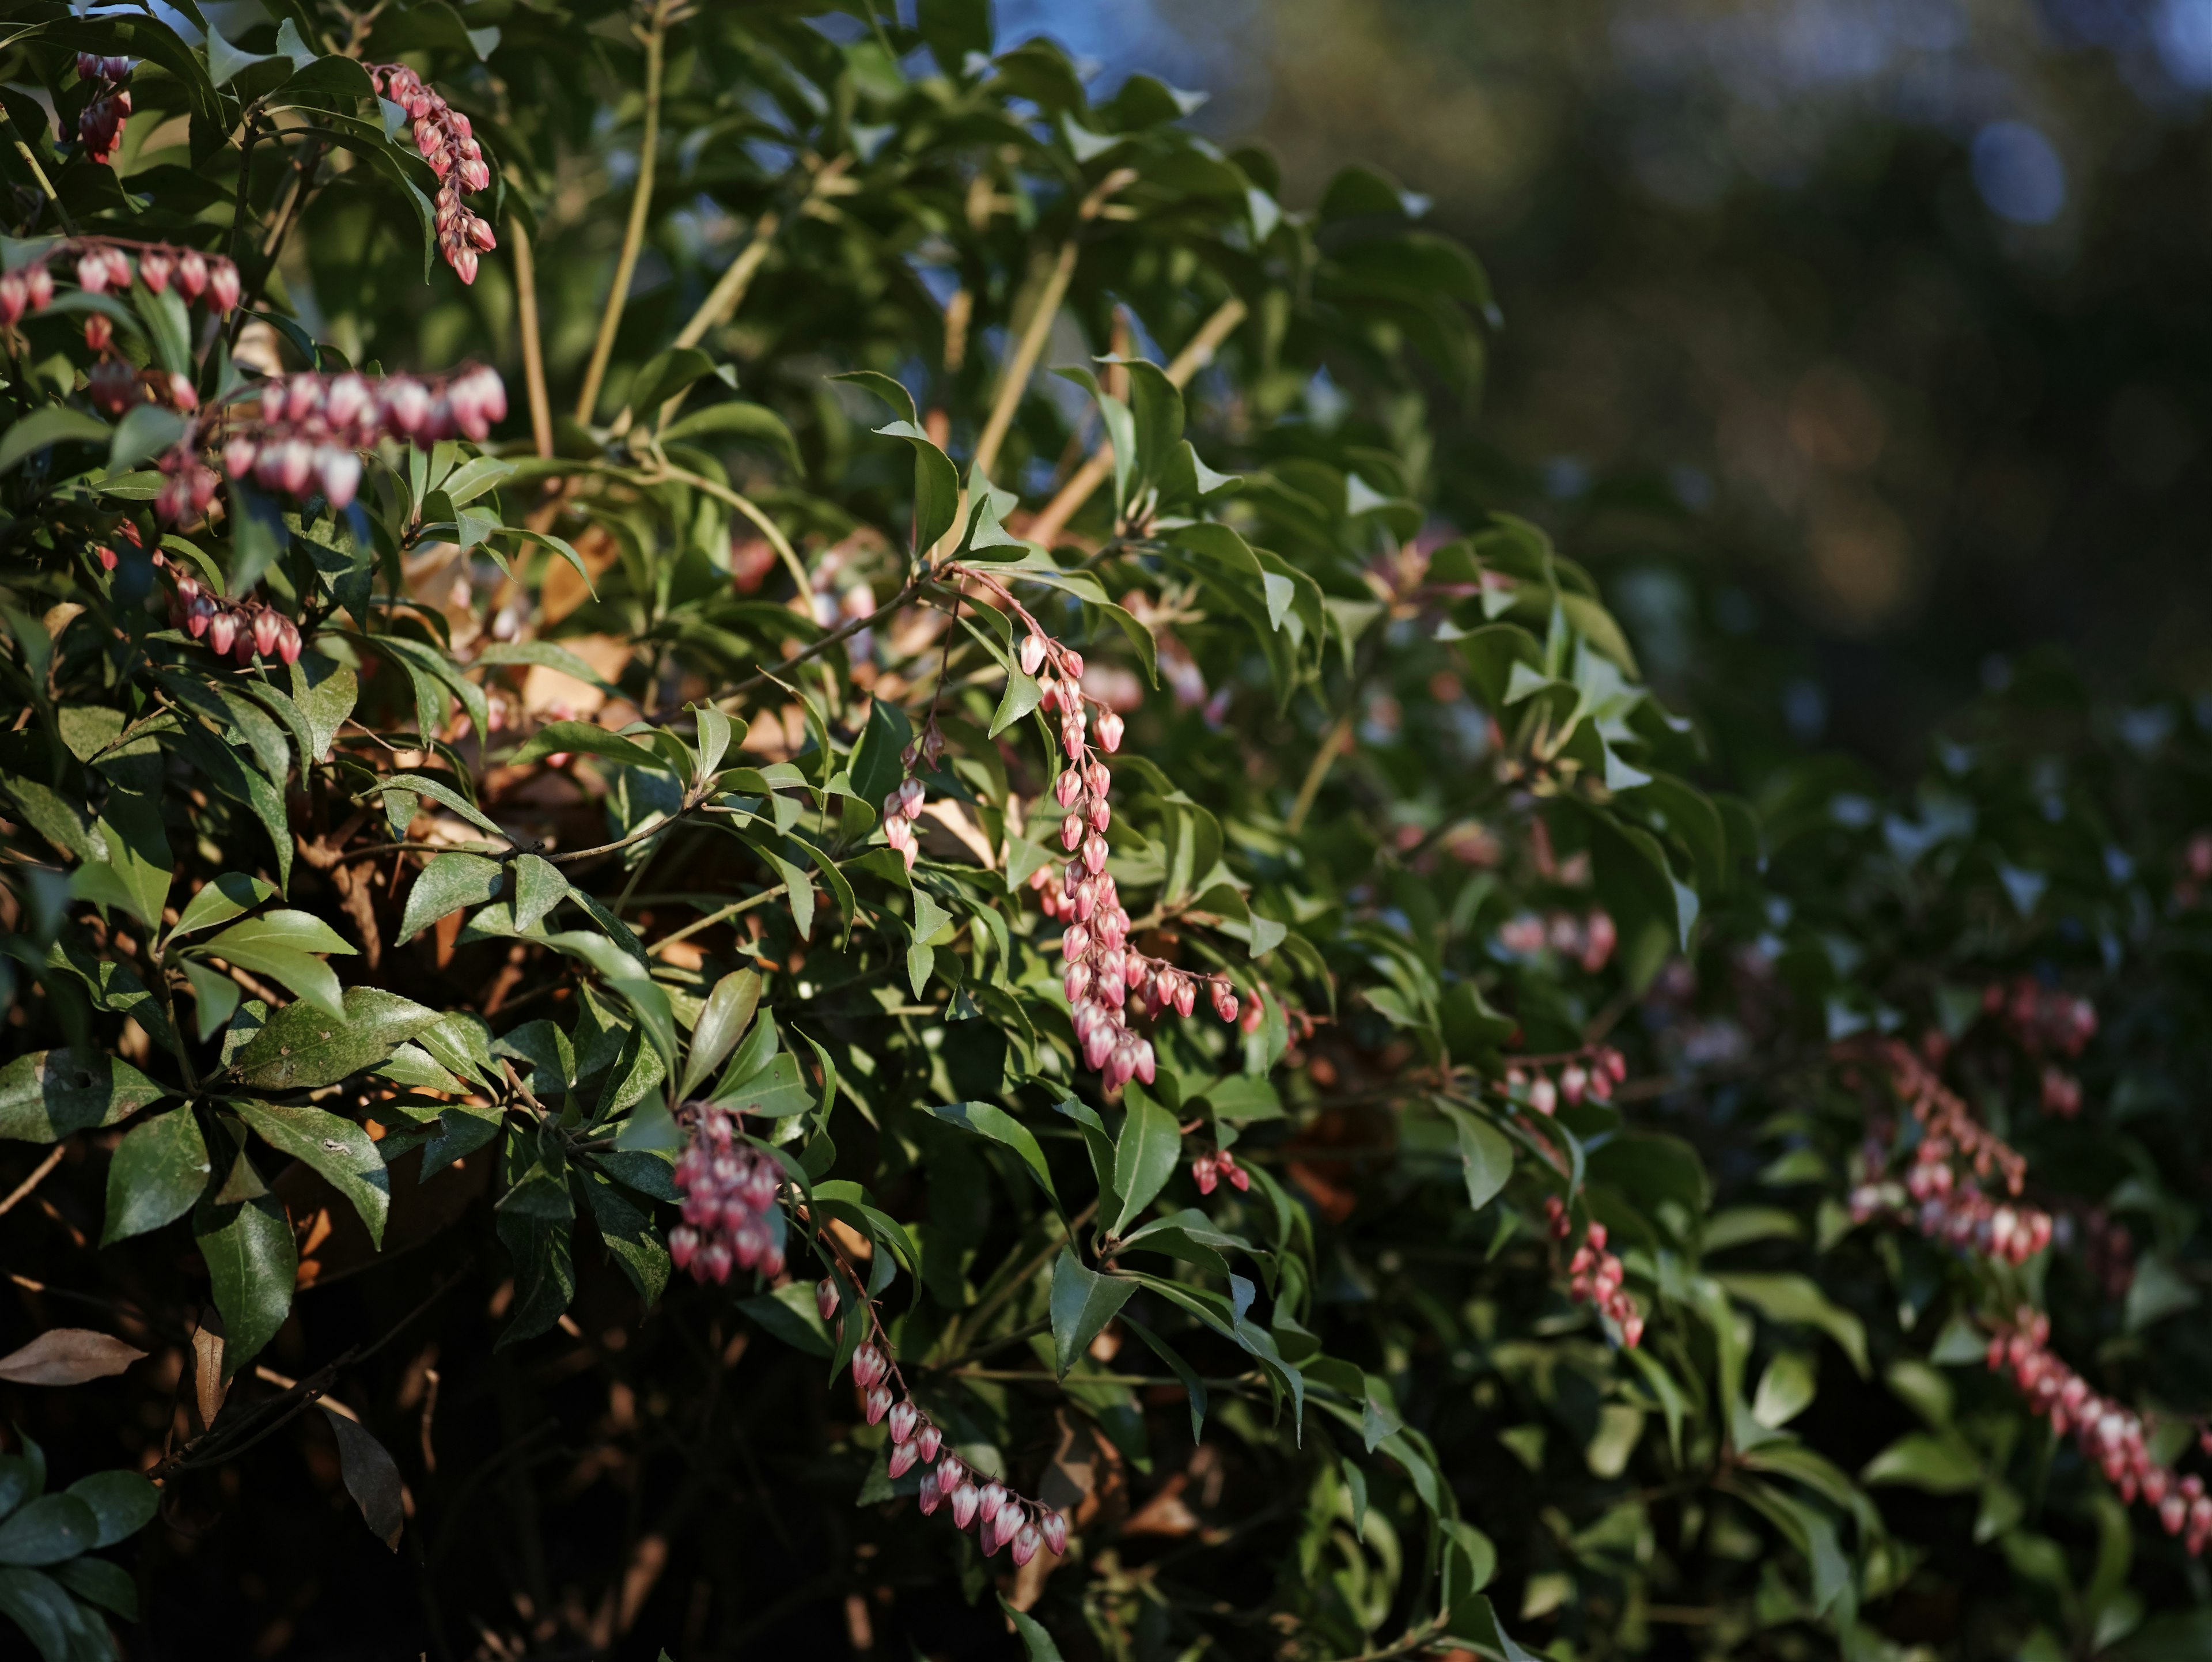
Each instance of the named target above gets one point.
<point>67,1356</point>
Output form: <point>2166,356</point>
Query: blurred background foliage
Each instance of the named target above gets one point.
<point>1867,327</point>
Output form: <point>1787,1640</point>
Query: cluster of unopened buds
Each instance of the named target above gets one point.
<point>731,1219</point>
<point>100,123</point>
<point>99,264</point>
<point>1588,940</point>
<point>1592,1074</point>
<point>1595,1276</point>
<point>2109,1433</point>
<point>2042,1019</point>
<point>1000,1517</point>
<point>1063,695</point>
<point>446,141</point>
<point>902,808</point>
<point>1944,1208</point>
<point>1208,1169</point>
<point>245,629</point>
<point>1106,983</point>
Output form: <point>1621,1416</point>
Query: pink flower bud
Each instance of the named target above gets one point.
<point>1204,1175</point>
<point>1100,814</point>
<point>1094,855</point>
<point>965,1499</point>
<point>192,273</point>
<point>868,1366</point>
<point>222,285</point>
<point>183,394</point>
<point>1032,652</point>
<point>1027,1540</point>
<point>106,557</point>
<point>14,298</point>
<point>296,464</point>
<point>1071,831</point>
<point>339,473</point>
<point>406,405</point>
<point>1067,788</point>
<point>715,1257</point>
<point>932,1495</point>
<point>347,396</point>
<point>1109,732</point>
<point>903,1455</point>
<point>927,1440</point>
<point>289,644</point>
<point>902,1420</point>
<point>221,631</point>
<point>91,272</point>
<point>1225,1004</point>
<point>1544,1096</point>
<point>463,262</point>
<point>267,625</point>
<point>1053,1527</point>
<point>154,270</point>
<point>825,1296</point>
<point>683,1246</point>
<point>878,1403</point>
<point>951,1473</point>
<point>98,331</point>
<point>994,1497</point>
<point>39,286</point>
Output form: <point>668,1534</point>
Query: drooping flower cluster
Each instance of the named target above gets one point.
<point>1000,1517</point>
<point>100,123</point>
<point>1591,1073</point>
<point>1587,940</point>
<point>99,264</point>
<point>2042,1019</point>
<point>1107,984</point>
<point>2110,1433</point>
<point>1595,1276</point>
<point>294,431</point>
<point>1208,1169</point>
<point>244,630</point>
<point>1935,1196</point>
<point>902,807</point>
<point>448,144</point>
<point>731,1218</point>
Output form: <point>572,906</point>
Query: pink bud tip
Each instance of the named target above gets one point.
<point>1053,1527</point>
<point>825,1297</point>
<point>879,1404</point>
<point>904,1457</point>
<point>927,1440</point>
<point>902,1420</point>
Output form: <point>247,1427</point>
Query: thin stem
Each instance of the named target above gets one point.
<point>729,292</point>
<point>712,919</point>
<point>533,349</point>
<point>37,1177</point>
<point>1014,380</point>
<point>1196,354</point>
<point>745,505</point>
<point>843,632</point>
<point>640,209</point>
<point>38,173</point>
<point>1336,741</point>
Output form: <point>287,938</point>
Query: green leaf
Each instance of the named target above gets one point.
<point>936,480</point>
<point>1941,1465</point>
<point>122,1501</point>
<point>1001,1126</point>
<point>556,737</point>
<point>789,1313</point>
<point>253,1261</point>
<point>160,1169</point>
<point>1145,1157</point>
<point>50,1529</point>
<point>538,888</point>
<point>323,693</point>
<point>35,1605</point>
<point>48,425</point>
<point>1486,1154</point>
<point>1194,1386</point>
<point>1083,1302</point>
<point>278,944</point>
<point>722,1021</point>
<point>219,900</point>
<point>1798,1299</point>
<point>1023,694</point>
<point>1036,1643</point>
<point>98,1582</point>
<point>303,1047</point>
<point>736,418</point>
<point>146,430</point>
<point>47,1095</point>
<point>337,1148</point>
<point>448,883</point>
<point>776,1092</point>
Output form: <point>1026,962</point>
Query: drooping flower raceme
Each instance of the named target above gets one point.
<point>448,142</point>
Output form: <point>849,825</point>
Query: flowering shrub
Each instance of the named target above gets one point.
<point>473,856</point>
